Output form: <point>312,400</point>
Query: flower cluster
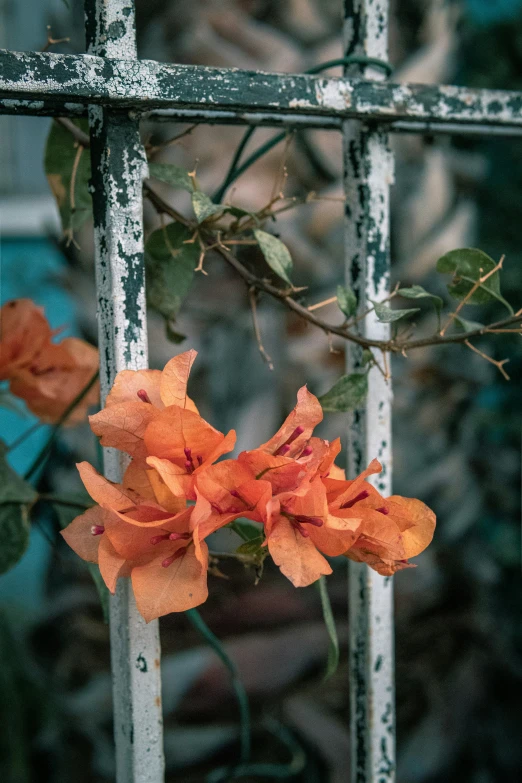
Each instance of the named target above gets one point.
<point>174,494</point>
<point>47,375</point>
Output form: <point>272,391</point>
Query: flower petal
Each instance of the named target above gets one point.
<point>296,556</point>
<point>174,379</point>
<point>79,536</point>
<point>123,426</point>
<point>416,521</point>
<point>180,586</point>
<point>304,417</point>
<point>128,383</point>
<point>111,564</point>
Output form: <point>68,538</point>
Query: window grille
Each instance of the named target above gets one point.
<point>117,90</point>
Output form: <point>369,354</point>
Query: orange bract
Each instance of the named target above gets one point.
<point>47,375</point>
<point>131,535</point>
<point>290,486</point>
<point>392,529</point>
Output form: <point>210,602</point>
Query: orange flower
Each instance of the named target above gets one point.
<point>129,535</point>
<point>149,416</point>
<point>391,530</point>
<point>279,484</point>
<point>47,375</point>
<point>23,332</point>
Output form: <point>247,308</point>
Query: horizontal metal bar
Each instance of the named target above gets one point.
<point>58,80</point>
<point>259,119</point>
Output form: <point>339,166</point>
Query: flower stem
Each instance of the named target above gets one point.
<point>239,689</point>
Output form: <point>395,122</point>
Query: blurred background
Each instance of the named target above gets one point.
<point>456,422</point>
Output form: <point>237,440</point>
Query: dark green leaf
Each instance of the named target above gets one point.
<point>172,335</point>
<point>366,357</point>
<point>14,534</point>
<point>60,155</point>
<point>204,207</point>
<point>276,254</point>
<point>467,265</point>
<point>13,488</point>
<point>418,292</point>
<point>468,326</point>
<point>346,300</point>
<point>102,589</point>
<point>329,621</point>
<point>171,174</point>
<point>237,212</point>
<point>387,316</point>
<point>348,393</point>
<point>170,263</point>
<point>248,531</point>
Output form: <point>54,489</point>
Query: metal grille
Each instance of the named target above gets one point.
<point>116,91</point>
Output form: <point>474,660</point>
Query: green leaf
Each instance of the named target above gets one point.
<point>60,154</point>
<point>14,534</point>
<point>173,175</point>
<point>13,488</point>
<point>248,531</point>
<point>329,621</point>
<point>366,357</point>
<point>467,265</point>
<point>101,587</point>
<point>348,393</point>
<point>170,264</point>
<point>204,207</point>
<point>468,326</point>
<point>346,300</point>
<point>172,335</point>
<point>387,316</point>
<point>418,292</point>
<point>276,254</point>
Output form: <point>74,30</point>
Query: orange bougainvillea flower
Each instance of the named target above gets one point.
<point>23,332</point>
<point>391,530</point>
<point>128,535</point>
<point>290,486</point>
<point>47,376</point>
<point>149,416</point>
<point>55,377</point>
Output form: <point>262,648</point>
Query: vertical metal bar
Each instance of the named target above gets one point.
<point>368,171</point>
<point>118,167</point>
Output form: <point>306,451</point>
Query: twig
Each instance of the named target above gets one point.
<point>52,41</point>
<point>482,279</point>
<point>72,196</point>
<point>252,294</point>
<point>80,136</point>
<point>498,365</point>
<point>25,434</point>
<point>153,149</point>
<point>325,302</point>
<point>284,296</point>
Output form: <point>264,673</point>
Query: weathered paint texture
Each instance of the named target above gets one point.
<point>144,85</point>
<point>368,172</point>
<point>118,168</point>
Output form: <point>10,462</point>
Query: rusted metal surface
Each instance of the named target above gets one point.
<point>368,172</point>
<point>58,80</point>
<point>118,168</point>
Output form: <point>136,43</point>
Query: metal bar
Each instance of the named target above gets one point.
<point>261,119</point>
<point>368,172</point>
<point>60,80</point>
<point>118,168</point>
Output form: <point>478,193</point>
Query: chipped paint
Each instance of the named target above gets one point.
<point>368,172</point>
<point>145,86</point>
<point>118,167</point>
